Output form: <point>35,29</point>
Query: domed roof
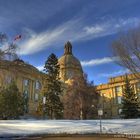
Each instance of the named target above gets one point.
<point>68,60</point>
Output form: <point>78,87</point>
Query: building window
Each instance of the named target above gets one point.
<point>118,89</point>
<point>25,94</point>
<point>119,99</point>
<point>138,88</point>
<point>26,82</point>
<point>120,111</point>
<point>37,85</point>
<point>26,98</point>
<point>8,79</point>
<point>36,97</point>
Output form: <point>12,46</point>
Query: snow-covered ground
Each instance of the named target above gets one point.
<point>29,127</point>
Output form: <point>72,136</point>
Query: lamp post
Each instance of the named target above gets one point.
<point>100,114</point>
<point>44,102</point>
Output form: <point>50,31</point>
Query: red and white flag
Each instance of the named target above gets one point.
<point>17,37</point>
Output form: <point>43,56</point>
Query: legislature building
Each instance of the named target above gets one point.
<point>111,94</point>
<point>30,81</point>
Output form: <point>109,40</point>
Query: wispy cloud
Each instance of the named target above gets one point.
<point>101,61</point>
<point>40,68</point>
<point>115,73</point>
<point>110,27</point>
<point>94,29</point>
<point>38,42</point>
<point>73,30</point>
<point>51,37</point>
<point>92,62</point>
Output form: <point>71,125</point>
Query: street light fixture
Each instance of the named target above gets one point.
<point>100,114</point>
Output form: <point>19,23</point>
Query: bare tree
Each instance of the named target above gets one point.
<point>127,50</point>
<point>9,51</point>
<point>3,38</point>
<point>80,100</point>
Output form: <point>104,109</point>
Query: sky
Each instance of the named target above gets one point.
<point>90,25</point>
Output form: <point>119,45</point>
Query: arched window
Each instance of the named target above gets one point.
<point>26,99</point>
<point>120,111</point>
<point>36,97</point>
<point>138,88</point>
<point>37,85</point>
<point>118,89</point>
<point>119,99</point>
<point>8,79</point>
<point>26,82</point>
<point>25,94</point>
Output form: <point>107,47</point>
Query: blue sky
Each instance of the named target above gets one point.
<point>91,26</point>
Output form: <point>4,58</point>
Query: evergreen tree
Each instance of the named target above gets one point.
<point>130,107</point>
<point>11,102</point>
<point>53,92</point>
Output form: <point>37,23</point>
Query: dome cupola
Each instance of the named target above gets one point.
<point>70,66</point>
<point>68,48</point>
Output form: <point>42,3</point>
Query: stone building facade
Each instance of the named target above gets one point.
<point>111,95</point>
<point>30,82</point>
<point>27,78</point>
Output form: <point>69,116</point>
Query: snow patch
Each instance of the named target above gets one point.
<point>30,127</point>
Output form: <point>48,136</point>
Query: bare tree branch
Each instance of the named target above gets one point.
<point>79,99</point>
<point>127,49</point>
<point>9,53</point>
